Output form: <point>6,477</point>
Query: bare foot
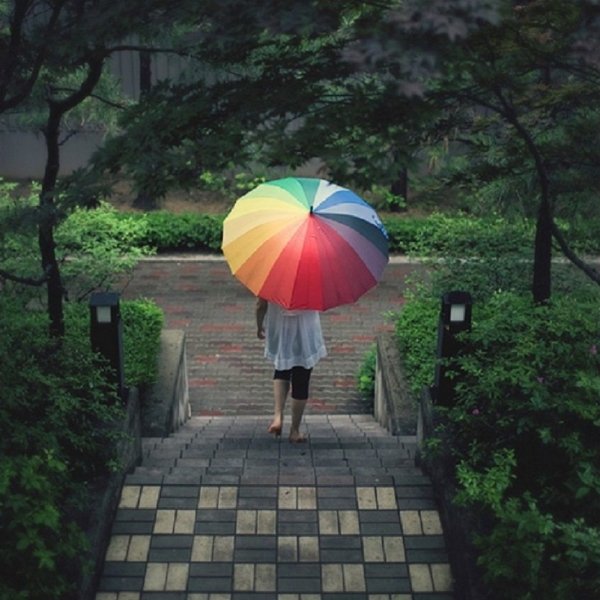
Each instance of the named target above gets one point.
<point>275,428</point>
<point>296,437</point>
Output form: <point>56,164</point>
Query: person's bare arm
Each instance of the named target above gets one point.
<point>261,311</point>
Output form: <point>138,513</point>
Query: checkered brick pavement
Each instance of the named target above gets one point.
<point>221,511</point>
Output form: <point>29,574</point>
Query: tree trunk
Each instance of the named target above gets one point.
<point>57,108</point>
<point>399,187</point>
<point>542,256</point>
<point>542,266</point>
<point>46,228</point>
<point>145,72</point>
<point>144,200</point>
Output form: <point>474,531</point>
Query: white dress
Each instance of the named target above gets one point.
<point>293,337</point>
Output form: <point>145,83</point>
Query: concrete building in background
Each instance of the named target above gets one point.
<point>22,149</point>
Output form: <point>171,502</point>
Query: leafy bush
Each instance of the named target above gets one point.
<point>56,439</point>
<point>465,236</point>
<point>366,374</point>
<point>435,235</point>
<point>524,436</point>
<point>54,442</point>
<point>167,231</point>
<point>97,246</point>
<point>416,331</point>
<point>142,324</point>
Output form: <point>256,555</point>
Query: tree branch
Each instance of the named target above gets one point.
<point>95,96</point>
<point>24,280</point>
<point>13,54</point>
<point>592,273</point>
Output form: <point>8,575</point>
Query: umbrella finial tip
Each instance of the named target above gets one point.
<point>311,209</point>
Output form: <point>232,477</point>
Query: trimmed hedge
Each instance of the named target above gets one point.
<point>434,235</point>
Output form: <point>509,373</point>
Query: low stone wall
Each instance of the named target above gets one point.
<point>105,496</point>
<point>458,522</point>
<point>394,407</point>
<point>159,411</point>
<point>166,404</point>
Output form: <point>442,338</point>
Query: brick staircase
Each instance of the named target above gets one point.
<point>221,511</point>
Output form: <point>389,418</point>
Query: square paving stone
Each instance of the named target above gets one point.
<point>216,515</point>
<point>168,555</point>
<point>379,516</point>
<point>257,503</point>
<point>382,528</point>
<point>337,503</point>
<point>215,528</point>
<point>297,516</point>
<point>258,492</point>
<point>211,569</point>
<point>386,570</point>
<point>190,503</point>
<point>171,491</point>
<point>171,541</point>
<point>295,570</point>
<point>304,585</point>
<point>298,528</point>
<point>416,504</point>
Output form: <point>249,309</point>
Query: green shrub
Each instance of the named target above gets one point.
<point>416,332</point>
<point>366,374</point>
<point>142,324</point>
<point>434,235</point>
<point>96,247</point>
<point>524,436</point>
<point>187,231</point>
<point>54,443</point>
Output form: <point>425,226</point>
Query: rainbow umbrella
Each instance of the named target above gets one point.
<point>305,243</point>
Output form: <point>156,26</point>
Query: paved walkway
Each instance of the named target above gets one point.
<point>227,371</point>
<point>221,511</point>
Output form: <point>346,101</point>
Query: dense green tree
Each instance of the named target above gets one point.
<point>516,94</point>
<point>52,56</point>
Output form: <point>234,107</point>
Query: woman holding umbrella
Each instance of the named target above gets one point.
<point>301,245</point>
<point>294,342</point>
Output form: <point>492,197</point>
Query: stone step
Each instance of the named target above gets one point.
<point>221,509</point>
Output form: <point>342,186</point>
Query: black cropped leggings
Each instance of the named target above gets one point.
<point>299,378</point>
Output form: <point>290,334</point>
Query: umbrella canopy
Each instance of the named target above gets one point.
<point>305,243</point>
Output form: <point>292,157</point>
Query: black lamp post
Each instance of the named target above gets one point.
<point>106,332</point>
<point>455,317</point>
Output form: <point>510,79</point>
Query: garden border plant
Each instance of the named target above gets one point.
<point>522,437</point>
<point>434,235</point>
<point>58,437</point>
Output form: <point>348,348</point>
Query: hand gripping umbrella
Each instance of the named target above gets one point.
<point>305,243</point>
